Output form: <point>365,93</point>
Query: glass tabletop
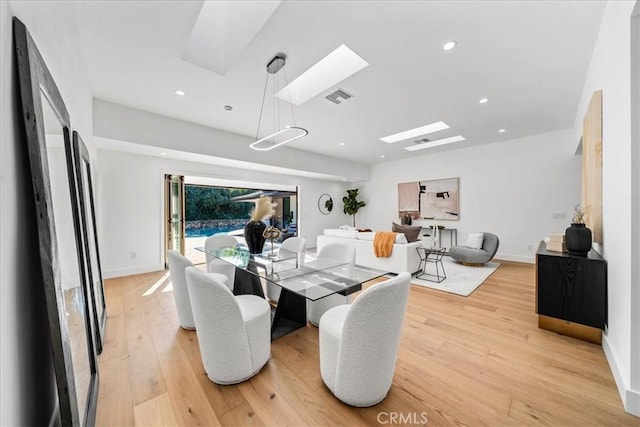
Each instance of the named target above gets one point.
<point>313,279</point>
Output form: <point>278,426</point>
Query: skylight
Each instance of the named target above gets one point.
<point>412,133</point>
<point>223,30</point>
<point>435,143</point>
<point>329,71</point>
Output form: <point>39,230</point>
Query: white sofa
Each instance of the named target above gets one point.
<point>403,258</point>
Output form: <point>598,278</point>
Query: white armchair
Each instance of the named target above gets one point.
<point>359,342</point>
<point>292,244</point>
<point>336,251</point>
<point>215,265</point>
<point>234,332</point>
<point>177,265</point>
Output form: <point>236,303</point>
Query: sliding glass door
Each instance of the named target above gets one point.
<point>174,213</point>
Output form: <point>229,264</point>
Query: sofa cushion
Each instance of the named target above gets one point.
<point>338,232</point>
<point>370,235</point>
<point>411,232</point>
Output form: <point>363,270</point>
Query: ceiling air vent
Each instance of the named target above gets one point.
<point>338,96</point>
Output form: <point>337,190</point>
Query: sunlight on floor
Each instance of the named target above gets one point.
<point>158,284</point>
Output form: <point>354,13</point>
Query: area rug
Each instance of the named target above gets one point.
<point>461,279</point>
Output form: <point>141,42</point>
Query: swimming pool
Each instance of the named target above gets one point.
<point>210,231</point>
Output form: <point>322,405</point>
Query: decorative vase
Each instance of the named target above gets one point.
<point>577,239</point>
<point>253,236</point>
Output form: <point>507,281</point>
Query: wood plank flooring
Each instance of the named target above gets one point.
<point>479,360</point>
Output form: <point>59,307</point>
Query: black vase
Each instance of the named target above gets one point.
<point>253,236</point>
<point>577,239</point>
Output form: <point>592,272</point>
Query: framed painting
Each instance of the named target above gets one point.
<point>435,199</point>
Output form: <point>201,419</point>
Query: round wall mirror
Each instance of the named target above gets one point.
<point>325,204</point>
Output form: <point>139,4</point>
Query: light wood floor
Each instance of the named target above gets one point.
<point>479,360</point>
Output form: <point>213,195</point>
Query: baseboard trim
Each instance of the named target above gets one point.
<point>110,274</point>
<point>630,398</point>
<point>633,403</point>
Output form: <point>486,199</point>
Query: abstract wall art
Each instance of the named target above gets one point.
<point>435,199</point>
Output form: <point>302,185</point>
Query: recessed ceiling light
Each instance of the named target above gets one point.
<point>179,92</point>
<point>483,100</point>
<point>163,154</point>
<point>435,143</point>
<point>382,156</point>
<point>329,71</point>
<point>502,130</point>
<point>228,108</point>
<point>449,45</point>
<point>342,143</point>
<point>411,133</point>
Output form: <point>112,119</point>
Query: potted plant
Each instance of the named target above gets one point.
<point>351,204</point>
<point>254,229</point>
<point>577,237</point>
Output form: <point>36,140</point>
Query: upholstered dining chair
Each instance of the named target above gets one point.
<point>296,245</point>
<point>177,265</point>
<point>215,265</point>
<point>359,342</point>
<point>334,251</point>
<point>234,332</point>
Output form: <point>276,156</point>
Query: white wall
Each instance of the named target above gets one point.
<point>610,71</point>
<point>130,205</point>
<point>511,188</point>
<point>27,386</point>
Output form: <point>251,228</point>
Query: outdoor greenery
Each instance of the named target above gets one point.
<point>203,203</point>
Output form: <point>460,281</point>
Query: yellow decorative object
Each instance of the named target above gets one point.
<point>263,209</point>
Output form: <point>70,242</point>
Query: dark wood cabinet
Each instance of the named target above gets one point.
<point>571,289</point>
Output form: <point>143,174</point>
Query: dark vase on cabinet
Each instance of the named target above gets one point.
<point>571,293</point>
<point>578,239</point>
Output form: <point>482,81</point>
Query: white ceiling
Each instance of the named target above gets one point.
<point>528,57</point>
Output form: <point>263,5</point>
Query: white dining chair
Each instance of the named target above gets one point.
<point>295,245</point>
<point>333,251</point>
<point>359,342</point>
<point>177,266</point>
<point>215,265</point>
<point>234,332</point>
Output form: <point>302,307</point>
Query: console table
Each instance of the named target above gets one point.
<point>453,235</point>
<point>571,293</point>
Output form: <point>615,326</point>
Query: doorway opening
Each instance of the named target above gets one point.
<point>195,211</point>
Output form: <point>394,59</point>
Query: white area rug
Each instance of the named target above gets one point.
<point>461,279</point>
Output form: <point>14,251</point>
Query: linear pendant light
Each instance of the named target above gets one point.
<point>280,135</point>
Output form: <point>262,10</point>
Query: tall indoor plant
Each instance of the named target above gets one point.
<point>351,204</point>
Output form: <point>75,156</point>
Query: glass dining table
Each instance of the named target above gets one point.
<point>299,279</point>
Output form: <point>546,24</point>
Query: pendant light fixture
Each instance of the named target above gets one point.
<point>278,134</point>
